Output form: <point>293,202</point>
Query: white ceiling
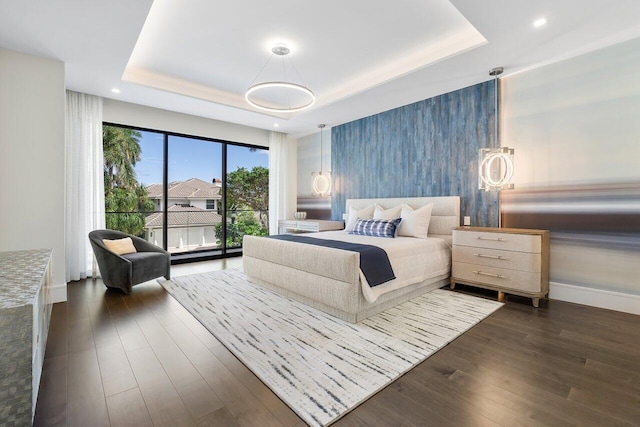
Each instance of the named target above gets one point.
<point>359,57</point>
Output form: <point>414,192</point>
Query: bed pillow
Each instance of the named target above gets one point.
<point>391,213</point>
<point>376,227</point>
<point>120,246</point>
<point>415,223</point>
<point>354,214</point>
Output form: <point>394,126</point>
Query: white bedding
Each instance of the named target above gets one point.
<point>413,260</point>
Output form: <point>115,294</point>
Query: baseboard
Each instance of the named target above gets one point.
<point>59,293</point>
<point>618,301</point>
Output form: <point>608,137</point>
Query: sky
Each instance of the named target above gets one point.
<point>191,158</point>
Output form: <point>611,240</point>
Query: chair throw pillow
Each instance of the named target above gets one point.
<point>376,227</point>
<point>120,246</point>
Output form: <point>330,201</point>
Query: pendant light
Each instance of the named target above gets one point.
<point>275,96</point>
<point>495,169</point>
<point>321,181</point>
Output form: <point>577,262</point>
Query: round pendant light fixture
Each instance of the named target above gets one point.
<point>262,95</point>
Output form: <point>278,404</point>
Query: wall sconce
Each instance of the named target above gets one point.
<point>495,169</point>
<point>321,181</point>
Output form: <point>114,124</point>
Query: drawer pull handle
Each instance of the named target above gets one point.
<point>482,273</point>
<point>493,239</point>
<point>500,257</point>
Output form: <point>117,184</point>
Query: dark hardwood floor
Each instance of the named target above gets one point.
<point>141,360</point>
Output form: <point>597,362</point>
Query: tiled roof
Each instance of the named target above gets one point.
<point>181,216</point>
<point>193,188</point>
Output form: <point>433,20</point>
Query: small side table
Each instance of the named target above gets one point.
<point>507,260</point>
<point>295,226</point>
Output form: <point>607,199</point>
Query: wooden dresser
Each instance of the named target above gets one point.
<point>507,260</point>
<point>308,226</point>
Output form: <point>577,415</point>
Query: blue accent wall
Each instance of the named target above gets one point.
<point>429,148</point>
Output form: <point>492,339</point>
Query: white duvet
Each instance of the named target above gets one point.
<point>413,260</point>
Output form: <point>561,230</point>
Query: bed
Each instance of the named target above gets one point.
<point>330,279</point>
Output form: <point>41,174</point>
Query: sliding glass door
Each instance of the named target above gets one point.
<point>247,193</point>
<point>133,177</point>
<point>192,196</point>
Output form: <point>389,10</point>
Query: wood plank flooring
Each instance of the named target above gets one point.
<point>143,360</point>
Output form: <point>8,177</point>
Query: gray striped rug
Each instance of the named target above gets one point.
<point>321,366</point>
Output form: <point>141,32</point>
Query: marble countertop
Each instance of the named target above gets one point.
<point>21,275</point>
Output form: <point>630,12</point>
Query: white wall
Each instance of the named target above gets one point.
<point>575,127</point>
<point>292,175</point>
<point>576,121</point>
<point>309,159</point>
<point>124,113</point>
<point>32,160</point>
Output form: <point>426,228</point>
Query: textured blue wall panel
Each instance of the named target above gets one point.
<point>429,148</point>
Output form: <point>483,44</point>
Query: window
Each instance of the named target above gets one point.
<point>247,192</point>
<point>152,174</point>
<point>133,185</point>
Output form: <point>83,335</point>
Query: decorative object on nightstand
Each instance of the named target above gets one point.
<point>507,260</point>
<point>289,226</point>
<point>495,165</point>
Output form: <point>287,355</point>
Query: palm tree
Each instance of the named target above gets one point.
<point>125,198</point>
<point>121,148</point>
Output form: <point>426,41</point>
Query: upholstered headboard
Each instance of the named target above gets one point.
<point>445,215</point>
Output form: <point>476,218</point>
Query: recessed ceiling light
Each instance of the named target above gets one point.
<point>539,22</point>
<point>115,90</point>
<point>275,125</point>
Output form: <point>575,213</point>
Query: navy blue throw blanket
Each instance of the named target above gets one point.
<point>374,261</point>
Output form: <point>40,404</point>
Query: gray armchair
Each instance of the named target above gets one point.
<point>125,271</point>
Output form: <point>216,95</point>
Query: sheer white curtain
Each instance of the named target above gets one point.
<point>84,181</point>
<point>278,180</point>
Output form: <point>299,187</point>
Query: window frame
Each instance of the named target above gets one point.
<point>205,254</point>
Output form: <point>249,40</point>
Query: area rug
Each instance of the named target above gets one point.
<point>319,365</point>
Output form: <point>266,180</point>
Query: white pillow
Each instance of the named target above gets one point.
<point>120,246</point>
<point>354,214</point>
<point>391,213</point>
<point>415,223</point>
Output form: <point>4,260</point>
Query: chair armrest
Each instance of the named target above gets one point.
<point>144,246</point>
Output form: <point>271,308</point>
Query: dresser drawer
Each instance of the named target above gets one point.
<point>307,226</point>
<point>524,261</point>
<point>504,241</point>
<point>499,277</point>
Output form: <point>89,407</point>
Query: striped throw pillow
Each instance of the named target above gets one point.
<point>376,227</point>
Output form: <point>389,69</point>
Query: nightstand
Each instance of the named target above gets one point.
<point>507,260</point>
<point>292,226</point>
